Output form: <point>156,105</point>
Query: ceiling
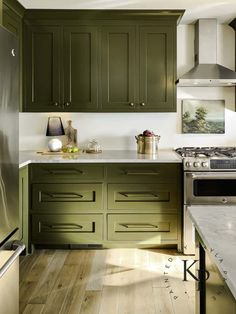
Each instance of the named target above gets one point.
<point>223,10</point>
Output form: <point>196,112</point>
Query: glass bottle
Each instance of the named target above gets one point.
<point>71,134</point>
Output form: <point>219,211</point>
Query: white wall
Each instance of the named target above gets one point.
<point>117,130</point>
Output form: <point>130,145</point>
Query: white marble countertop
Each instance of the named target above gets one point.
<point>216,226</point>
<point>109,156</point>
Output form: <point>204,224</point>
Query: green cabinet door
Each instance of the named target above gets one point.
<point>157,68</point>
<point>24,207</point>
<point>13,22</point>
<point>42,68</point>
<point>118,68</point>
<point>80,68</point>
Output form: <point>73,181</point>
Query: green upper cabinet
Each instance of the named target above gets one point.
<point>118,68</point>
<point>12,15</point>
<point>100,61</point>
<point>81,68</point>
<point>138,68</point>
<point>42,68</point>
<point>157,68</point>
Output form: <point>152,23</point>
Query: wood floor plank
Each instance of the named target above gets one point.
<point>63,283</point>
<point>47,280</point>
<point>98,269</point>
<point>110,292</point>
<point>34,309</point>
<point>162,301</point>
<point>76,292</point>
<point>29,283</point>
<point>26,263</point>
<point>91,302</point>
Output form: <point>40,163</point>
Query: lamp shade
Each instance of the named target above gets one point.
<point>55,127</point>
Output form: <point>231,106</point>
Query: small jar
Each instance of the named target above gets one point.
<point>93,147</point>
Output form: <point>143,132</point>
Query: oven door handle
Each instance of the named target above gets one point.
<point>213,175</point>
<point>18,247</point>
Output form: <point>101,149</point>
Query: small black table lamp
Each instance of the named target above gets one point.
<point>55,128</point>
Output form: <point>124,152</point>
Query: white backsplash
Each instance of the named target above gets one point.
<point>117,130</point>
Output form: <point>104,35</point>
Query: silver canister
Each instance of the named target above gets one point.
<point>147,144</point>
<point>140,144</point>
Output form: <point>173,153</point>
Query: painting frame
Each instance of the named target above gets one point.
<point>203,116</point>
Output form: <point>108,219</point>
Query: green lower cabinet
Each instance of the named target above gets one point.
<point>142,228</point>
<point>66,173</point>
<point>135,173</point>
<point>67,229</point>
<point>24,208</point>
<point>67,197</point>
<point>93,204</point>
<point>142,197</point>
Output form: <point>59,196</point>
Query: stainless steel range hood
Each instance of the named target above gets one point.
<point>206,71</point>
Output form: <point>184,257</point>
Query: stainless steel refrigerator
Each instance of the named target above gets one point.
<point>10,246</point>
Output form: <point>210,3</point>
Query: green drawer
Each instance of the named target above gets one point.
<point>66,173</point>
<point>66,198</point>
<point>148,228</point>
<point>142,197</point>
<point>67,229</point>
<point>144,173</point>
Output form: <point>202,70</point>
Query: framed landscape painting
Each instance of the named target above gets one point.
<point>203,116</point>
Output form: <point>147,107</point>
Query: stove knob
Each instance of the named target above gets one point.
<point>196,164</point>
<point>188,164</point>
<point>204,164</point>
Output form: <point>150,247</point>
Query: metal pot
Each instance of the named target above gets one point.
<point>147,144</point>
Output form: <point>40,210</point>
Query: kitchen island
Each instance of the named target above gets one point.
<point>216,250</point>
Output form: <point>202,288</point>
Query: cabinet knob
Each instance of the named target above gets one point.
<point>142,104</point>
<point>67,104</point>
<point>131,104</point>
<point>56,104</point>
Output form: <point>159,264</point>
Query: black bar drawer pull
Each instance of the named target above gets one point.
<point>139,194</point>
<point>65,171</point>
<point>64,195</point>
<point>59,226</point>
<point>138,225</point>
<point>140,173</point>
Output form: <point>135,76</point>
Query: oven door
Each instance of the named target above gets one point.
<point>203,188</point>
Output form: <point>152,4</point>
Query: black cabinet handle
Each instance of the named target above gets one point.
<point>139,194</point>
<point>65,195</point>
<point>61,227</point>
<point>138,225</point>
<point>140,173</point>
<point>65,171</point>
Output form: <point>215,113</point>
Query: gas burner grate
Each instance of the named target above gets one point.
<point>207,152</point>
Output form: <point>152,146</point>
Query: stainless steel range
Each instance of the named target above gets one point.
<point>209,179</point>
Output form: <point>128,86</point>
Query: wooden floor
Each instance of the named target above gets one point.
<point>114,281</point>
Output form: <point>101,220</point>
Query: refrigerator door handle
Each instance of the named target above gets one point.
<point>18,247</point>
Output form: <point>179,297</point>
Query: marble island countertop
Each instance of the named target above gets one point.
<point>109,156</point>
<point>216,226</point>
